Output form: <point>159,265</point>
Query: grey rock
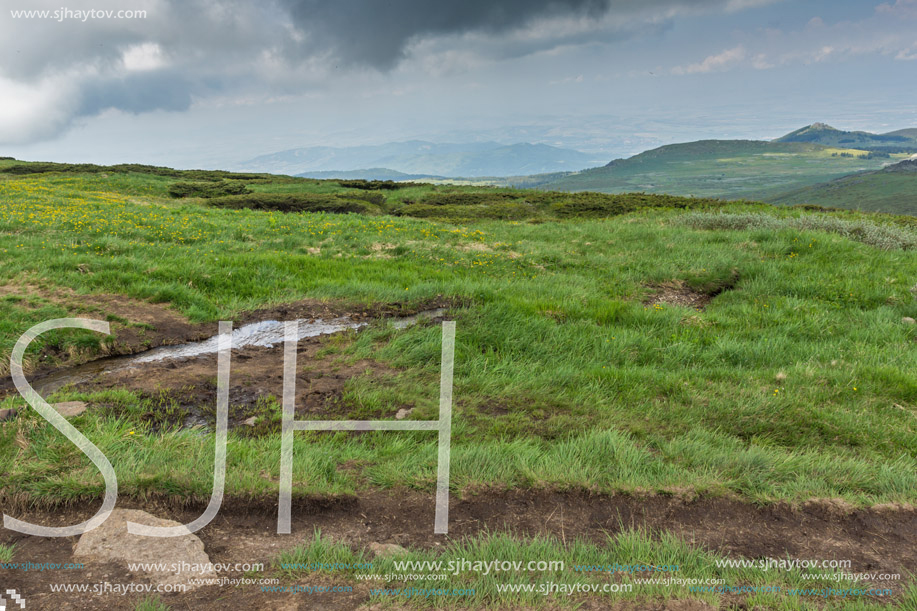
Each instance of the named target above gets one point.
<point>111,542</point>
<point>69,409</point>
<point>8,414</point>
<point>383,550</point>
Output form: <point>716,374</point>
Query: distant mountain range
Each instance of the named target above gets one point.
<point>419,158</point>
<point>367,174</point>
<point>797,168</point>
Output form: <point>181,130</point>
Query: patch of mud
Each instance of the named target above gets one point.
<point>152,328</point>
<point>678,294</point>
<point>256,385</point>
<point>877,541</point>
<point>177,384</point>
<point>697,296</point>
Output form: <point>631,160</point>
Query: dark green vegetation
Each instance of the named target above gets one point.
<point>365,203</point>
<point>217,188</point>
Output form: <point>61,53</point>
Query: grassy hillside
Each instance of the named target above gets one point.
<point>892,189</point>
<point>731,169</point>
<point>605,344</point>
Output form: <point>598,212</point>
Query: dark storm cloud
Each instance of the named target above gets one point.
<point>137,93</point>
<point>375,33</point>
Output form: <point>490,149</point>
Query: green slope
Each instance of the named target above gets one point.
<point>730,169</point>
<point>892,189</point>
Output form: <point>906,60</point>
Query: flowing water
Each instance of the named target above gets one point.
<point>265,333</point>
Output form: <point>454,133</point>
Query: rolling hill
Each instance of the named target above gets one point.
<point>733,169</point>
<point>903,140</point>
<point>892,189</point>
<point>807,165</point>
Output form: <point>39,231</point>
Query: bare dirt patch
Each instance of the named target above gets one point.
<point>676,293</point>
<point>696,293</point>
<point>880,540</point>
<point>256,378</point>
<point>148,326</point>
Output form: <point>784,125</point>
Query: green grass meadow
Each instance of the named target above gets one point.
<point>795,382</point>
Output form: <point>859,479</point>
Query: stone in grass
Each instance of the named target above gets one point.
<point>69,409</point>
<point>111,542</point>
<point>250,421</point>
<point>403,413</point>
<point>908,320</point>
<point>383,550</point>
<point>8,414</point>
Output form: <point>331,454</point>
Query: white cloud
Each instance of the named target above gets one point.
<point>901,8</point>
<point>142,57</point>
<point>714,63</point>
<point>909,54</point>
<point>760,62</point>
<point>32,111</point>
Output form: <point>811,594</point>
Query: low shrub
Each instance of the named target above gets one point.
<point>298,202</point>
<point>43,167</point>
<point>465,198</point>
<point>507,211</point>
<point>370,185</point>
<point>217,188</point>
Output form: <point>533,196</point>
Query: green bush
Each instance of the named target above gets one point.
<point>207,189</point>
<point>602,204</point>
<point>507,211</point>
<point>466,198</point>
<point>370,185</point>
<point>298,202</point>
<point>43,167</point>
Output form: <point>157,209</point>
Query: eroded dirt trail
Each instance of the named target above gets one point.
<point>881,539</point>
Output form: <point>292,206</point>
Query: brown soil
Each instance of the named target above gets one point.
<point>256,374</point>
<point>255,371</point>
<point>881,539</point>
<point>676,293</point>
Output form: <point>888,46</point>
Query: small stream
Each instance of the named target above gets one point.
<point>265,333</point>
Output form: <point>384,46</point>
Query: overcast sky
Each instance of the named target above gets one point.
<point>209,83</point>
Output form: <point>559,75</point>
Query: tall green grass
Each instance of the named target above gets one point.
<point>796,381</point>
